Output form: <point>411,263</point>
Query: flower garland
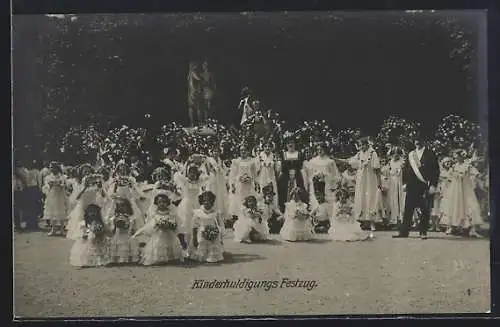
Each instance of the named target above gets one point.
<point>81,141</point>
<point>396,131</point>
<point>455,132</point>
<point>311,133</point>
<point>122,142</point>
<point>343,192</point>
<point>344,143</point>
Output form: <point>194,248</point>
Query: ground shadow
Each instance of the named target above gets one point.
<point>269,242</point>
<point>230,258</point>
<point>316,241</point>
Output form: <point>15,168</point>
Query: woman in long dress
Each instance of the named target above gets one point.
<point>243,179</point>
<point>290,176</point>
<point>368,205</point>
<point>55,205</point>
<point>324,168</point>
<point>460,207</point>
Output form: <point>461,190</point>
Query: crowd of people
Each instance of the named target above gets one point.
<point>179,209</point>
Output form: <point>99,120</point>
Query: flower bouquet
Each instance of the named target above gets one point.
<point>97,230</point>
<point>256,215</point>
<point>123,182</point>
<point>343,192</point>
<point>245,179</point>
<point>210,233</point>
<point>166,224</point>
<point>122,222</point>
<point>302,214</point>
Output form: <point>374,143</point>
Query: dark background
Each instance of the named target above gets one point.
<point>352,69</point>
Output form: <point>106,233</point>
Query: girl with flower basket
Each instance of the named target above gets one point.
<point>243,180</point>
<point>90,191</point>
<point>250,226</point>
<point>91,247</point>
<point>166,239</point>
<point>123,248</point>
<point>207,230</point>
<point>298,225</point>
<point>55,205</point>
<point>324,168</point>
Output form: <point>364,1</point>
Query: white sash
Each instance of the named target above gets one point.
<point>412,157</point>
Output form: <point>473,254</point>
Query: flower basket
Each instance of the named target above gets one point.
<point>166,225</point>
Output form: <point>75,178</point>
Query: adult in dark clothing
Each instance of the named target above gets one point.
<point>420,178</point>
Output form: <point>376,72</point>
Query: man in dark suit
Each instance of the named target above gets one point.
<point>420,178</point>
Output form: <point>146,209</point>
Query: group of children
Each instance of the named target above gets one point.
<point>183,211</point>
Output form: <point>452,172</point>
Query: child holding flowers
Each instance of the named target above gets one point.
<point>122,248</point>
<point>271,214</point>
<point>322,212</point>
<point>90,191</point>
<point>90,248</point>
<point>242,179</point>
<point>395,190</point>
<point>250,226</point>
<point>55,207</point>
<point>166,237</point>
<point>207,230</point>
<point>298,225</point>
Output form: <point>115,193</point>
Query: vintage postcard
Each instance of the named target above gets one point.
<point>250,164</point>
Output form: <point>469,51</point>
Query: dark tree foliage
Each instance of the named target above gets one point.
<point>110,70</point>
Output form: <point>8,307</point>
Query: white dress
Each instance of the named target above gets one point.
<point>162,245</point>
<point>89,249</point>
<point>55,206</point>
<point>326,167</point>
<point>460,207</point>
<point>92,195</point>
<point>368,205</point>
<point>217,184</point>
<point>267,173</point>
<point>248,221</point>
<point>395,192</point>
<point>130,192</point>
<point>209,251</point>
<point>243,175</point>
<point>298,225</point>
<point>122,248</point>
<point>344,227</point>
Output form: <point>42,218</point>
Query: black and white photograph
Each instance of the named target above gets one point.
<point>250,164</point>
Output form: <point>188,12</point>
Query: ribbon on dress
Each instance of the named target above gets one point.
<point>412,158</point>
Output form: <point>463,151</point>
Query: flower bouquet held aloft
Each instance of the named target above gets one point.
<point>210,233</point>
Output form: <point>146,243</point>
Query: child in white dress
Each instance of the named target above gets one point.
<point>123,248</point>
<point>460,207</point>
<point>444,179</point>
<point>322,212</point>
<point>298,225</point>
<point>250,226</point>
<point>207,230</point>
<point>243,180</point>
<point>162,181</point>
<point>166,238</point>
<point>267,169</point>
<point>344,226</point>
<point>191,186</point>
<point>90,191</point>
<point>55,206</point>
<point>271,213</point>
<point>91,247</point>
